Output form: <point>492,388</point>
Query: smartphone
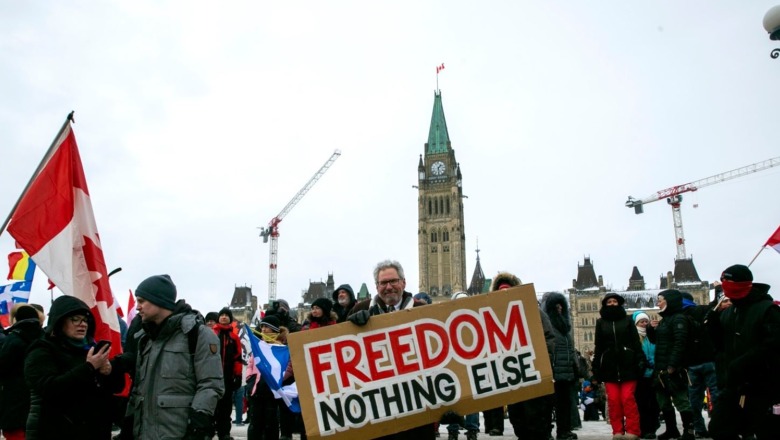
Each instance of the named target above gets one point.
<point>99,346</point>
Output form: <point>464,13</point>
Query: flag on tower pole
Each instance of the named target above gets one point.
<point>53,221</point>
<point>773,242</point>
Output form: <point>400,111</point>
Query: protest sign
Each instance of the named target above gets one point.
<point>407,368</point>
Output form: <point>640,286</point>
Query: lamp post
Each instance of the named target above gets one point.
<point>772,26</point>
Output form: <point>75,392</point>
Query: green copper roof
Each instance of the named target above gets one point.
<point>438,137</point>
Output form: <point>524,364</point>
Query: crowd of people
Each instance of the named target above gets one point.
<point>187,376</point>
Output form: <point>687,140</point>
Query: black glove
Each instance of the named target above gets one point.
<point>236,383</point>
<point>199,426</point>
<point>451,417</point>
<point>359,318</point>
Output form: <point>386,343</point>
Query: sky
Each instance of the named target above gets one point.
<point>197,122</point>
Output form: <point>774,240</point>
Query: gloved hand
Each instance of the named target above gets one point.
<point>451,417</point>
<point>199,426</point>
<point>359,318</point>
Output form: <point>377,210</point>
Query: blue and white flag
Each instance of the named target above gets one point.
<point>15,293</point>
<point>271,361</point>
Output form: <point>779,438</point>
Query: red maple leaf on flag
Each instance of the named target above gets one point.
<point>54,222</point>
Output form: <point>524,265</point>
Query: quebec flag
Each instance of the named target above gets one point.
<point>271,361</point>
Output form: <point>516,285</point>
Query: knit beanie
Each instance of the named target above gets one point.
<point>737,281</point>
<point>640,315</point>
<point>212,316</point>
<point>325,304</point>
<point>271,322</point>
<point>23,312</point>
<point>226,311</point>
<point>158,290</point>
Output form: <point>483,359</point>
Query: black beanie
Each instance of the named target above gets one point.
<point>618,297</point>
<point>272,322</point>
<point>226,311</point>
<point>25,312</point>
<point>737,273</point>
<point>212,316</point>
<point>325,304</point>
<point>158,290</point>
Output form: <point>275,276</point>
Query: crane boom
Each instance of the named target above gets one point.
<point>273,226</point>
<point>673,195</point>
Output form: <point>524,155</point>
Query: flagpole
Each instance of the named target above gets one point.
<point>759,252</point>
<point>45,159</point>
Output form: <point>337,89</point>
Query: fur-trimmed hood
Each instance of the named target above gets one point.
<point>504,278</point>
<point>550,300</point>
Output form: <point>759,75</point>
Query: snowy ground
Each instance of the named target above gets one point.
<point>590,431</point>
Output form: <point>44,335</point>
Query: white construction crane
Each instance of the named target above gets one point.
<point>673,196</point>
<point>273,226</point>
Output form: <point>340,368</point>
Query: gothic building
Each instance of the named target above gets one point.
<point>441,235</point>
<point>479,284</point>
<point>243,304</point>
<point>587,291</point>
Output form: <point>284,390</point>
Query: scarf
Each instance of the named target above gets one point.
<point>736,289</point>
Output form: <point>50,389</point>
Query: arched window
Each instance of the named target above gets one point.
<point>430,207</point>
<point>448,206</point>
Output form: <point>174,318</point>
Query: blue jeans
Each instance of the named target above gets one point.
<point>472,424</point>
<point>238,401</point>
<point>701,377</point>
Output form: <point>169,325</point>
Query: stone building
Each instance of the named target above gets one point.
<point>441,235</point>
<point>587,291</point>
<point>243,305</point>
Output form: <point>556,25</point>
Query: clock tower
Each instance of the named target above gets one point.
<point>441,236</point>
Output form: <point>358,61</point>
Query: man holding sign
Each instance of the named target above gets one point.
<point>402,367</point>
<point>391,296</point>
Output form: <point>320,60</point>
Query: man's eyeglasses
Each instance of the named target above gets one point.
<point>393,282</point>
<point>76,320</point>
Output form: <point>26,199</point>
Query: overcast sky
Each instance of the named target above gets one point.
<point>198,121</point>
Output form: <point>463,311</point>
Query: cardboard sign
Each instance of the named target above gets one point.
<point>407,368</point>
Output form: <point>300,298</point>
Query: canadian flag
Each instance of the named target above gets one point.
<point>439,68</point>
<point>774,240</point>
<point>131,312</point>
<point>55,224</point>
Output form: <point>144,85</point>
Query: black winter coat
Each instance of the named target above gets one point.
<point>69,398</point>
<point>671,334</point>
<point>618,355</point>
<point>14,394</point>
<point>564,359</point>
<point>747,336</point>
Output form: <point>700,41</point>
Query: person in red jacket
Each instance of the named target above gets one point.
<point>321,315</point>
<point>232,368</point>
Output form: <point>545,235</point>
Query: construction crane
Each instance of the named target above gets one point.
<point>673,196</point>
<point>273,226</point>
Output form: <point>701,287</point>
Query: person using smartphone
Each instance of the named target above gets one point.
<point>71,381</point>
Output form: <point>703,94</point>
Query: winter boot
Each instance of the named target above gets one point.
<point>670,419</point>
<point>687,421</point>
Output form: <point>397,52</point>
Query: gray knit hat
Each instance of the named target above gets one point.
<point>158,290</point>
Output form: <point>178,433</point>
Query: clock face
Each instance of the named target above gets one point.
<point>437,168</point>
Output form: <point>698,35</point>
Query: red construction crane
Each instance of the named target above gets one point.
<point>273,226</point>
<point>673,196</point>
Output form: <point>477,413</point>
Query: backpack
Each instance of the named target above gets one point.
<point>697,337</point>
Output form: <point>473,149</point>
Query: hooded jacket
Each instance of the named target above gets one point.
<point>169,381</point>
<point>68,397</point>
<point>618,355</point>
<point>671,334</point>
<point>747,337</point>
<point>563,359</point>
<point>343,311</point>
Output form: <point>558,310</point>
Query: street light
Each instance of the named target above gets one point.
<point>772,25</point>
